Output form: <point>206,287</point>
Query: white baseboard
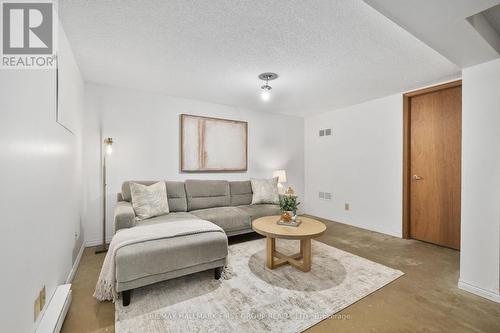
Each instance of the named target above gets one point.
<point>72,273</point>
<point>488,294</point>
<point>393,233</point>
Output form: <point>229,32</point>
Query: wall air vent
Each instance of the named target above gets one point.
<point>325,132</point>
<point>325,195</point>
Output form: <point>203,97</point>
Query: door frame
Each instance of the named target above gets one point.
<point>407,146</point>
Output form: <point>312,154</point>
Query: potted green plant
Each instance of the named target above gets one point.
<point>288,207</point>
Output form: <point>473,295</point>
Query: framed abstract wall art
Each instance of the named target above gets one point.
<point>213,144</point>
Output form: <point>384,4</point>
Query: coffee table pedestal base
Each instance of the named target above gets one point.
<point>301,260</point>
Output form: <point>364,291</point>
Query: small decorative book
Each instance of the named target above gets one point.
<point>290,223</point>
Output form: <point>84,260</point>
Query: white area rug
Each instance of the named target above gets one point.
<point>255,299</point>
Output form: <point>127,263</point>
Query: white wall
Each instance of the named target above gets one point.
<point>145,128</point>
<point>40,177</point>
<point>361,163</point>
<point>480,232</point>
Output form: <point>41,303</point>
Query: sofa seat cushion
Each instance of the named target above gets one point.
<point>159,256</point>
<point>256,211</point>
<point>167,218</point>
<point>228,218</point>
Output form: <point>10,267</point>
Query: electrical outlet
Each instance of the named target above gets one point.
<point>321,195</point>
<point>347,206</point>
<point>39,303</point>
<point>321,132</point>
<point>43,297</point>
<point>36,308</point>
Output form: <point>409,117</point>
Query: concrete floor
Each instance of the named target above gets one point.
<point>425,299</point>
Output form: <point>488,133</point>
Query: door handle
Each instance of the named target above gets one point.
<point>416,177</point>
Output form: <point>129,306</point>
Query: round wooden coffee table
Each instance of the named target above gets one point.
<point>308,229</point>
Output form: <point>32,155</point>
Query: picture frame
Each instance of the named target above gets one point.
<point>210,144</point>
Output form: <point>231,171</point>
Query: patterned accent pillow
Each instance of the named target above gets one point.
<point>265,191</point>
<point>149,201</point>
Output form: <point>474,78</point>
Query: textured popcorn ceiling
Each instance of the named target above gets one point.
<point>328,53</point>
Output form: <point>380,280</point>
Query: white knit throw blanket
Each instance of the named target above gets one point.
<point>105,290</point>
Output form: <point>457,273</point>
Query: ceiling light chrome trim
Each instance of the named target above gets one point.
<point>268,76</point>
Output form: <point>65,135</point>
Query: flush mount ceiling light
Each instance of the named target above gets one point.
<point>266,88</point>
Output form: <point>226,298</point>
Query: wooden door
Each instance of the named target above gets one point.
<point>435,166</point>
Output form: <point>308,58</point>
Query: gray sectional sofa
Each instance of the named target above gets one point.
<point>225,203</point>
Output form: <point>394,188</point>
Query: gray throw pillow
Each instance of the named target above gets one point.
<point>149,201</point>
<point>265,191</point>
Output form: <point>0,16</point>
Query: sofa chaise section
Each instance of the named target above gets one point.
<point>149,262</point>
<point>145,263</point>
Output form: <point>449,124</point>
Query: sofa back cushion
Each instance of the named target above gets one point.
<point>203,194</point>
<point>177,201</point>
<point>241,192</point>
<point>176,194</point>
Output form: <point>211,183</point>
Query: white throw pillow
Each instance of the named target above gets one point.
<point>149,201</point>
<point>265,191</point>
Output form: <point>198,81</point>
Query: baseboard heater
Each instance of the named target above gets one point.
<point>53,316</point>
